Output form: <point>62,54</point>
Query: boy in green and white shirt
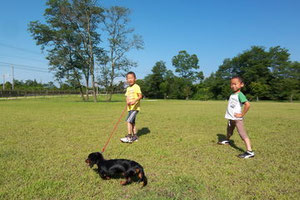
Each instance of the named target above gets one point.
<point>235,104</point>
<point>235,114</point>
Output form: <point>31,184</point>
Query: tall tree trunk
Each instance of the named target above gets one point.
<point>87,89</point>
<point>94,87</point>
<point>93,76</point>
<point>291,97</point>
<point>110,93</point>
<point>112,75</point>
<point>78,82</point>
<point>91,58</point>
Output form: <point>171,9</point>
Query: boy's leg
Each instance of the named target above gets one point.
<point>243,134</point>
<point>128,137</point>
<point>134,129</point>
<point>230,128</point>
<point>130,128</point>
<point>134,136</point>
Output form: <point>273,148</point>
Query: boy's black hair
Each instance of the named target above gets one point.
<point>237,77</point>
<point>131,73</point>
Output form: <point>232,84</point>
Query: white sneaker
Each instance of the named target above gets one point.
<point>247,154</point>
<point>126,139</point>
<point>224,142</point>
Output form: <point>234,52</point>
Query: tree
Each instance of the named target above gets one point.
<point>267,74</point>
<point>70,38</point>
<point>120,43</point>
<point>186,66</point>
<point>156,79</point>
<point>259,90</point>
<point>289,86</point>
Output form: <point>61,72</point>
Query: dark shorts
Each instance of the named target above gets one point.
<point>239,124</point>
<point>131,116</point>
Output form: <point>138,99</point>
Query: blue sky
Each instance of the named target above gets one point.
<point>213,30</point>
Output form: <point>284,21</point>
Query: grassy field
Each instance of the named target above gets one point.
<point>44,142</point>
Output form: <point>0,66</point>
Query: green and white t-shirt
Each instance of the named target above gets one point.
<point>235,105</point>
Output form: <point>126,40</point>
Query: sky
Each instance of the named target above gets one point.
<point>213,30</point>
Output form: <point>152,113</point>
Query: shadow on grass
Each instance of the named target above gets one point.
<point>100,101</point>
<point>134,179</point>
<point>222,137</point>
<point>143,131</point>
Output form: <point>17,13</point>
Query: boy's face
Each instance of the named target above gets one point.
<point>236,84</point>
<point>130,79</point>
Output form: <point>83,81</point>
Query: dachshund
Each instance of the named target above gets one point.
<point>117,168</point>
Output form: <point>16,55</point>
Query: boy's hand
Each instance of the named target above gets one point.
<point>246,108</point>
<point>238,115</point>
<point>133,102</point>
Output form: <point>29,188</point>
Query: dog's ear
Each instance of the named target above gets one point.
<point>99,156</point>
<point>95,158</point>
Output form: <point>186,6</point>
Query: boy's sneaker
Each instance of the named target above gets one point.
<point>247,154</point>
<point>224,142</point>
<point>134,138</point>
<point>126,139</point>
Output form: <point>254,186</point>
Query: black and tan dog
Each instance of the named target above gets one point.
<point>107,169</point>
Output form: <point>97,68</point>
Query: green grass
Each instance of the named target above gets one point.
<point>44,142</point>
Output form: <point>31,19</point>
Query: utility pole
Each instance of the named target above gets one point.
<point>3,82</point>
<point>13,80</point>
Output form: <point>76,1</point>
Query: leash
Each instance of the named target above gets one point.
<point>114,129</point>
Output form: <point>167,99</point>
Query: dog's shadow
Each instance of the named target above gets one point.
<point>222,137</point>
<point>118,176</point>
<point>143,131</point>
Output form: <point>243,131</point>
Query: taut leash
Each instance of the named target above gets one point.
<point>115,127</point>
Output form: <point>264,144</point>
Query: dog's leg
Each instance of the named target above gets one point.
<point>128,174</point>
<point>127,181</point>
<point>103,175</point>
<point>142,178</point>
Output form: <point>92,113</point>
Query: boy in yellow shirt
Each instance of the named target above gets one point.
<point>133,96</point>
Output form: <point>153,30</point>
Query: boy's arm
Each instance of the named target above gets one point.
<point>127,101</point>
<point>246,108</point>
<point>140,96</point>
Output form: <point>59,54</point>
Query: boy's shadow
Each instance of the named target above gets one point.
<point>222,137</point>
<point>143,131</point>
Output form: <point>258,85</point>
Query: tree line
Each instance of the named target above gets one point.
<point>34,85</point>
<point>87,43</point>
<point>79,35</point>
<point>268,74</point>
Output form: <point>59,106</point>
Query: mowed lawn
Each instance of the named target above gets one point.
<point>44,143</point>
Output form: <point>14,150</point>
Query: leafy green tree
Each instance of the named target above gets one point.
<point>121,41</point>
<point>259,90</point>
<point>264,73</point>
<point>186,66</point>
<point>219,86</point>
<point>287,85</point>
<point>50,85</point>
<point>70,38</point>
<point>156,79</point>
<point>7,85</point>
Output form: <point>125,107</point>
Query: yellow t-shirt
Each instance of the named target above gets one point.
<point>132,94</point>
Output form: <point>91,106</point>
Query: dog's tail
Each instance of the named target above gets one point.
<point>142,177</point>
